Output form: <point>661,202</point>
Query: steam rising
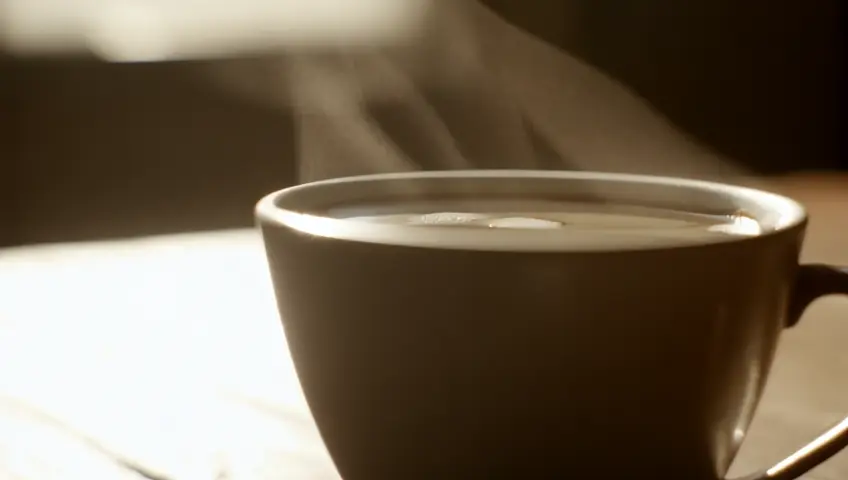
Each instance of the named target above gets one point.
<point>386,85</point>
<point>469,90</point>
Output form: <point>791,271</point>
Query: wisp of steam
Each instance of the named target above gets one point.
<point>387,85</point>
<point>465,89</point>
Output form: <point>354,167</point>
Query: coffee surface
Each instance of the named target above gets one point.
<point>602,219</point>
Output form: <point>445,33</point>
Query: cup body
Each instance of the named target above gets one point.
<point>425,361</point>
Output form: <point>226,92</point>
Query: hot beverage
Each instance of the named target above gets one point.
<point>516,213</point>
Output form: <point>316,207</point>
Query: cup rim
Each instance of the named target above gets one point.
<point>788,214</point>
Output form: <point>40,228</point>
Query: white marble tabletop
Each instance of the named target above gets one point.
<point>163,358</point>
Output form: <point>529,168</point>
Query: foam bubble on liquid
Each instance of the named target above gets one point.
<point>524,222</point>
<point>446,218</point>
<point>482,220</point>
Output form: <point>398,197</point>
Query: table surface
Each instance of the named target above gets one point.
<point>163,358</point>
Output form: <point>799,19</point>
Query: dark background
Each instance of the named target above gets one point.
<point>91,150</point>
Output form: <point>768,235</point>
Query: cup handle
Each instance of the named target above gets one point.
<point>812,282</point>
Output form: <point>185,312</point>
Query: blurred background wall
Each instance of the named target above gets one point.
<point>100,149</point>
<point>92,150</point>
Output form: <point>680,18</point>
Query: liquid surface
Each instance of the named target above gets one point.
<point>612,220</point>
